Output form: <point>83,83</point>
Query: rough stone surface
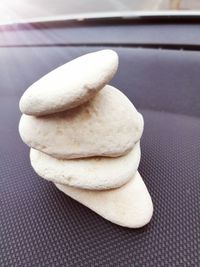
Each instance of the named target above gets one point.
<point>108,125</point>
<point>129,205</point>
<point>71,84</point>
<point>90,173</point>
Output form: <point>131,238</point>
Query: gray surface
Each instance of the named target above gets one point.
<point>122,34</point>
<point>40,226</point>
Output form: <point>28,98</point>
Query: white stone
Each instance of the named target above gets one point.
<point>71,84</point>
<point>129,206</point>
<point>107,125</point>
<point>89,173</point>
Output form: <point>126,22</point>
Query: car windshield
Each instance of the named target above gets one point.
<point>26,10</point>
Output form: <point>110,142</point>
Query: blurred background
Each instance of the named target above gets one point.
<point>19,10</point>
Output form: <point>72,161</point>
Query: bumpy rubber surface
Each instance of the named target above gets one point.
<point>40,226</point>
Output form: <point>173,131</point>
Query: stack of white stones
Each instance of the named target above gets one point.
<point>85,138</point>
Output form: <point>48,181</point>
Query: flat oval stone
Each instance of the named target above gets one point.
<point>89,173</point>
<point>129,205</point>
<point>107,125</point>
<point>71,84</point>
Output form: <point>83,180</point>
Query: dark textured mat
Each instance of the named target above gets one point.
<point>40,226</point>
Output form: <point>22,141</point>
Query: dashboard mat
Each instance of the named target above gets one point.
<point>40,226</point>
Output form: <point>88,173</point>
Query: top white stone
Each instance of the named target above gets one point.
<point>71,84</point>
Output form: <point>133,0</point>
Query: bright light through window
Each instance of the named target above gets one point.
<point>19,10</point>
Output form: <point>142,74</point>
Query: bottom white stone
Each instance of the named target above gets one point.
<point>129,205</point>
